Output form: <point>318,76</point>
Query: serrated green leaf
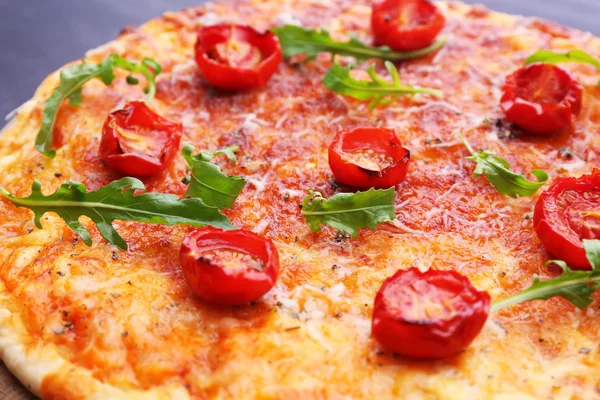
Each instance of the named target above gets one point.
<point>574,286</point>
<point>75,98</point>
<point>298,40</point>
<point>105,70</point>
<point>206,180</point>
<point>377,90</point>
<point>228,152</point>
<point>72,79</point>
<point>551,57</point>
<point>116,201</point>
<point>576,56</point>
<point>132,80</point>
<point>348,212</point>
<point>496,171</point>
<point>592,252</point>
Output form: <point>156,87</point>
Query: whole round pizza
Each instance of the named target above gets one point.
<point>262,199</point>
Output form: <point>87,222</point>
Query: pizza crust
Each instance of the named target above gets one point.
<point>32,367</point>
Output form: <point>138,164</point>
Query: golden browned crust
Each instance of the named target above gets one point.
<point>79,322</point>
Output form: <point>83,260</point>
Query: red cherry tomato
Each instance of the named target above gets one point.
<point>368,157</point>
<point>567,213</point>
<point>433,314</point>
<point>235,57</point>
<point>406,25</point>
<point>228,267</point>
<point>541,98</point>
<point>138,142</point>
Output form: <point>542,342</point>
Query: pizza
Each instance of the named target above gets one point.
<point>308,199</point>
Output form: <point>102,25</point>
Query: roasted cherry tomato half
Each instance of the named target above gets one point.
<point>406,25</point>
<point>542,98</point>
<point>228,267</point>
<point>567,213</point>
<point>433,314</point>
<point>138,142</point>
<point>368,157</point>
<point>237,57</point>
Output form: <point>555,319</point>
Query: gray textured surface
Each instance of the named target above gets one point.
<point>39,36</point>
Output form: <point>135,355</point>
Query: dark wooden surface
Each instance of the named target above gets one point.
<point>39,36</point>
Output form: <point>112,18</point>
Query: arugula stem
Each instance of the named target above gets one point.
<point>403,89</point>
<point>348,210</point>
<point>376,78</point>
<point>540,293</point>
<point>465,142</point>
<point>409,55</point>
<point>438,44</point>
<point>376,52</point>
<point>64,204</point>
<point>234,148</point>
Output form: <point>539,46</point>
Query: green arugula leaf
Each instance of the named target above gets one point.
<point>377,90</point>
<point>207,156</point>
<point>206,180</point>
<point>592,252</point>
<point>576,56</point>
<point>298,40</point>
<point>574,286</point>
<point>72,79</point>
<point>496,171</point>
<point>551,57</point>
<point>116,201</point>
<point>347,212</point>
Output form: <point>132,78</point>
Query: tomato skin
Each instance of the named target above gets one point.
<point>542,98</point>
<point>228,286</point>
<point>560,221</point>
<point>382,142</point>
<point>409,329</point>
<point>406,25</point>
<point>139,121</point>
<point>236,77</point>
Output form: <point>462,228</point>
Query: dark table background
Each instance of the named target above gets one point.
<point>39,36</point>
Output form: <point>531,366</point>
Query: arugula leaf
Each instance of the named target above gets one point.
<point>297,40</point>
<point>496,171</point>
<point>377,90</point>
<point>205,155</point>
<point>592,252</point>
<point>206,180</point>
<point>347,212</point>
<point>551,57</point>
<point>72,79</point>
<point>116,201</point>
<point>574,286</point>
